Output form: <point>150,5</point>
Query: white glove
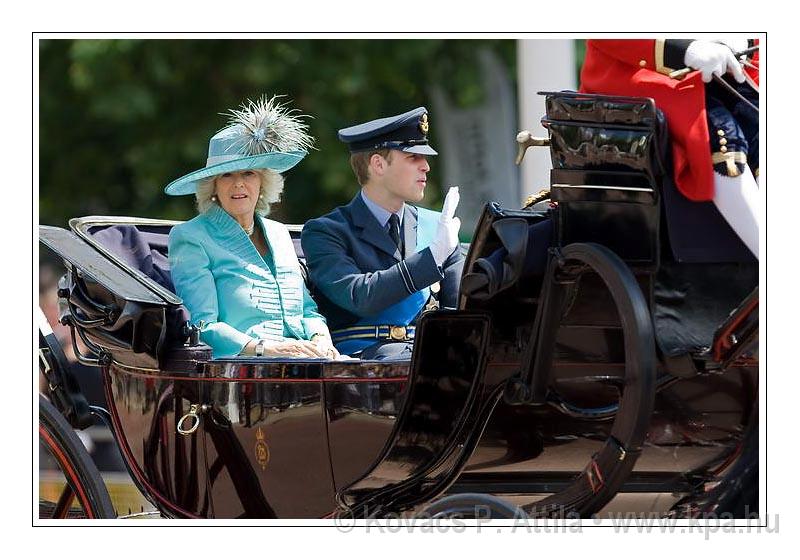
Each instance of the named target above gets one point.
<point>447,231</point>
<point>712,58</point>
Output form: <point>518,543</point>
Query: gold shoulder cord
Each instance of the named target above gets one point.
<point>543,194</point>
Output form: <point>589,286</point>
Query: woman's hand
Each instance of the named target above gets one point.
<point>325,344</point>
<point>289,348</point>
<point>293,349</point>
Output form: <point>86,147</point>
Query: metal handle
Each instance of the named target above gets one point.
<point>103,358</point>
<point>525,140</point>
<point>84,323</point>
<point>194,417</point>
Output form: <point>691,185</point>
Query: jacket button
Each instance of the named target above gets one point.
<point>720,133</point>
<point>723,149</point>
<point>642,63</point>
<point>722,141</point>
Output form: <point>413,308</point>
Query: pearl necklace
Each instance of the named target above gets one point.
<point>249,231</point>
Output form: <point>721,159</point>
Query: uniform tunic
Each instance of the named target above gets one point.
<point>362,279</point>
<point>641,68</point>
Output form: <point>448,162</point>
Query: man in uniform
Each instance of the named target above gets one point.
<point>378,262</point>
<point>699,111</point>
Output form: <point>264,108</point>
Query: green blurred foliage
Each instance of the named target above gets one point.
<point>119,119</point>
<point>580,55</point>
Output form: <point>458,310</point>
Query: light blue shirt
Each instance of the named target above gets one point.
<point>381,213</point>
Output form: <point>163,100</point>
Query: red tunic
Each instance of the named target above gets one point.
<point>636,68</point>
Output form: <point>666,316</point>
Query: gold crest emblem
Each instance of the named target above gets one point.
<point>423,123</point>
<point>262,451</point>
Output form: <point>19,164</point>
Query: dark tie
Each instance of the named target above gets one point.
<point>394,231</point>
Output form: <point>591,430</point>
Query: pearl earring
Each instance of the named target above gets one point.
<point>214,197</point>
<point>261,196</point>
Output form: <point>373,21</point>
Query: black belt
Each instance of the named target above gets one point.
<point>377,332</point>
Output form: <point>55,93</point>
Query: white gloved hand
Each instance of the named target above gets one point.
<point>446,239</point>
<point>712,58</point>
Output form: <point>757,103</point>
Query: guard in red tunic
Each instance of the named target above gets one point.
<point>699,112</point>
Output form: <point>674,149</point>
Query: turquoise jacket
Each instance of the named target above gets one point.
<point>236,293</point>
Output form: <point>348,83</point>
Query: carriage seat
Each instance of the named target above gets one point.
<point>145,249</point>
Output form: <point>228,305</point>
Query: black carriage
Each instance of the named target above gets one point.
<point>620,370</point>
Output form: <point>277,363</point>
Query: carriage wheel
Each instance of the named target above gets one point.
<point>471,506</point>
<point>608,469</point>
<point>79,489</point>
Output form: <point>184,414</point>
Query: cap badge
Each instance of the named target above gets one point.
<point>423,123</point>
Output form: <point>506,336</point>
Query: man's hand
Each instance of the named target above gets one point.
<point>446,239</point>
<point>712,59</point>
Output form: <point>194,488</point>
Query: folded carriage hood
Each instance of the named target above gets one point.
<point>115,313</point>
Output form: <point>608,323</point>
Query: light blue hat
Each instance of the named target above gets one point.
<point>260,135</point>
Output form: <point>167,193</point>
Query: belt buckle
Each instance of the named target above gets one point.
<point>397,333</point>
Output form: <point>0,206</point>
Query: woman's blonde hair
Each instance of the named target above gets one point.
<point>271,189</point>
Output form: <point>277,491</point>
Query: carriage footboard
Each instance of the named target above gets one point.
<point>447,405</point>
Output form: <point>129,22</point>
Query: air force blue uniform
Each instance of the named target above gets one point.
<point>368,290</point>
<point>360,277</point>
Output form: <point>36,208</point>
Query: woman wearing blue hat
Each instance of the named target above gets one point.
<point>236,271</point>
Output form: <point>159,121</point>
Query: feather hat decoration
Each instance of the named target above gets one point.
<point>262,134</point>
<point>269,126</point>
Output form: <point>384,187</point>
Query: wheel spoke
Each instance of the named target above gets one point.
<point>64,502</point>
<point>80,488</point>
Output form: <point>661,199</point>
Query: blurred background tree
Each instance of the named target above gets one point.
<point>119,119</point>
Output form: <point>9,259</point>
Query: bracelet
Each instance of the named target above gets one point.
<point>260,347</point>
